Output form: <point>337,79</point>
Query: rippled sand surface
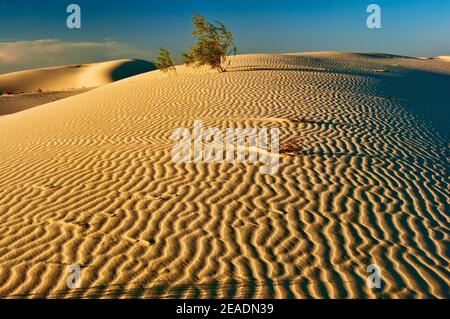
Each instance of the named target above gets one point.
<point>89,180</point>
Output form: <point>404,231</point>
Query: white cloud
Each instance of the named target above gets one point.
<point>19,55</point>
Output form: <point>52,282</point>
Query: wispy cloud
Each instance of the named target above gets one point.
<point>17,55</point>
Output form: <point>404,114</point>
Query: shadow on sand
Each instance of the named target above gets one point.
<point>131,68</point>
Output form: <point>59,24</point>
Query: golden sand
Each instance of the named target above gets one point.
<point>89,180</point>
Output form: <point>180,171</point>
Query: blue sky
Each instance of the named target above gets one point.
<point>34,34</point>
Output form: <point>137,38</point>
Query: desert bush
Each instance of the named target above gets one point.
<point>291,147</point>
<point>163,60</point>
<point>295,119</point>
<point>214,43</point>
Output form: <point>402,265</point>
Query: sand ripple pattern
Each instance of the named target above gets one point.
<point>89,180</point>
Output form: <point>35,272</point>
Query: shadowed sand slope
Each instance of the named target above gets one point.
<point>72,76</point>
<point>19,102</point>
<point>89,180</point>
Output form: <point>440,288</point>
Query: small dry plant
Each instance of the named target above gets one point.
<point>295,119</point>
<point>291,147</point>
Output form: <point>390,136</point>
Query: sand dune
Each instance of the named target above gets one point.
<point>89,180</point>
<point>71,77</point>
<point>27,89</point>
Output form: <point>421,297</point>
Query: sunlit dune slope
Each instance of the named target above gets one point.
<point>89,180</point>
<point>72,76</point>
<point>444,58</point>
